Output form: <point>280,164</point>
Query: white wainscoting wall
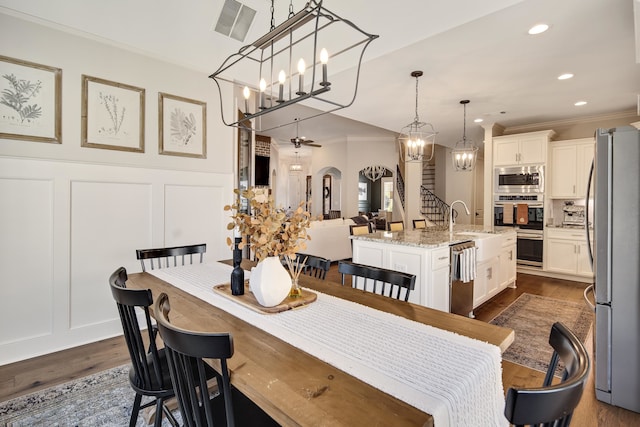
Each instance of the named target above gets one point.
<point>66,226</point>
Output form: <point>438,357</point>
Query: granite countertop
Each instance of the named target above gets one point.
<point>431,237</point>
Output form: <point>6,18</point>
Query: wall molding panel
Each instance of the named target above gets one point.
<point>66,226</point>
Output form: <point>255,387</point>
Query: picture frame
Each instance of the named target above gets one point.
<point>112,115</point>
<point>362,191</point>
<point>182,126</point>
<point>30,101</point>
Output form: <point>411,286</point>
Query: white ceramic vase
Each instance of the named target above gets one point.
<point>270,282</point>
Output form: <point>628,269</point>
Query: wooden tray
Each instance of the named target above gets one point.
<point>249,300</point>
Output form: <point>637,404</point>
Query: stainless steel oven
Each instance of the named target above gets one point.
<point>519,180</point>
<point>534,218</point>
<point>529,247</point>
<point>530,233</point>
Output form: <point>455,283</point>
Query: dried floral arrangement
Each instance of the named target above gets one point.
<point>270,230</point>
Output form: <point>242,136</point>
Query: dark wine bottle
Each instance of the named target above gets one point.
<point>237,275</point>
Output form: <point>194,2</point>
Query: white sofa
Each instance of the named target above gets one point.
<point>329,239</point>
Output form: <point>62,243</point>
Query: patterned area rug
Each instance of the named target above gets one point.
<point>104,399</point>
<point>531,317</point>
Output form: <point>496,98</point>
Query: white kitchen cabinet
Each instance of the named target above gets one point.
<point>569,164</point>
<point>438,283</point>
<point>487,282</point>
<point>520,149</point>
<point>566,252</point>
<point>508,268</point>
<point>430,265</point>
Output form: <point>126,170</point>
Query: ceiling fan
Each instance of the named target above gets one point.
<point>300,140</point>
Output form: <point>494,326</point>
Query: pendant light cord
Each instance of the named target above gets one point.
<point>464,103</point>
<point>417,119</point>
<point>464,125</point>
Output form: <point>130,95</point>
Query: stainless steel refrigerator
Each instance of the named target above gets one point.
<point>616,261</point>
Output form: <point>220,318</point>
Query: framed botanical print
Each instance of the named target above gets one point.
<point>182,126</point>
<point>112,115</point>
<point>30,101</point>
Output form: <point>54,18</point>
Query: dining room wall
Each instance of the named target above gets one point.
<point>71,215</point>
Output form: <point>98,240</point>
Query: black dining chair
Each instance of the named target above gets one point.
<point>228,407</point>
<point>552,404</point>
<point>149,373</point>
<point>382,281</point>
<point>314,266</point>
<point>170,257</point>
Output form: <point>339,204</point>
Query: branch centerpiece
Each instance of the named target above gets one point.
<point>271,232</point>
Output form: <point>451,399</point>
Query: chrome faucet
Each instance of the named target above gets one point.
<point>451,214</point>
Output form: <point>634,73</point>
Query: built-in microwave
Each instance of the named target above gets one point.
<point>519,179</point>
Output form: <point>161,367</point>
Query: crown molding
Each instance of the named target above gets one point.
<point>569,122</point>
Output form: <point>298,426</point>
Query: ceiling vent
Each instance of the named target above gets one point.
<point>235,20</point>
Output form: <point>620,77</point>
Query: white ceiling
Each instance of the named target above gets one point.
<point>467,49</point>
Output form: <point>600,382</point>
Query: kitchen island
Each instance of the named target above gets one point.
<point>426,254</point>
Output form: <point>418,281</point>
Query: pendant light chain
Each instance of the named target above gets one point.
<point>273,20</point>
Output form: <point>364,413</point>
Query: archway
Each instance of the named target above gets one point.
<point>375,190</point>
<point>329,197</point>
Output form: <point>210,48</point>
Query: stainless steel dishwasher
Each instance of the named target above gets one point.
<point>461,278</point>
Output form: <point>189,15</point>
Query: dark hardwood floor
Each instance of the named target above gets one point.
<point>35,374</point>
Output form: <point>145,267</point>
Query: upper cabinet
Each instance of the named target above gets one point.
<point>569,165</point>
<point>521,149</point>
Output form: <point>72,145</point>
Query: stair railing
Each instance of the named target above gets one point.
<point>434,208</point>
<point>400,185</point>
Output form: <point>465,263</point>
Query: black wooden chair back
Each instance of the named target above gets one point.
<point>552,405</point>
<point>170,257</point>
<point>391,283</point>
<point>186,349</point>
<point>149,374</point>
<point>314,266</point>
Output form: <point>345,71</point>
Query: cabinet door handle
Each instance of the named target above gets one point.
<point>489,272</point>
<point>574,189</point>
<point>442,258</point>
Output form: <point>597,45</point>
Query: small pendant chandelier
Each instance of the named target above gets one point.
<point>464,154</point>
<point>416,135</point>
<point>296,166</point>
<point>374,172</point>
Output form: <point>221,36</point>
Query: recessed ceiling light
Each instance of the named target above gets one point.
<point>580,103</point>
<point>537,29</point>
<point>478,120</point>
<point>565,76</point>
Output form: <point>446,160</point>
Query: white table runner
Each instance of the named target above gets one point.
<point>455,378</point>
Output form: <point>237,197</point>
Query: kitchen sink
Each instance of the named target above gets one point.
<point>488,244</point>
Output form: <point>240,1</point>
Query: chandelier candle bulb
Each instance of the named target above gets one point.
<point>263,87</point>
<point>324,58</point>
<point>246,93</point>
<point>282,78</point>
<point>301,67</point>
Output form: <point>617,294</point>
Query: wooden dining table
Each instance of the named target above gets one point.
<point>296,388</point>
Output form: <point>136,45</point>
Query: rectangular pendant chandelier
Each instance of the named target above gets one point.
<point>293,64</point>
